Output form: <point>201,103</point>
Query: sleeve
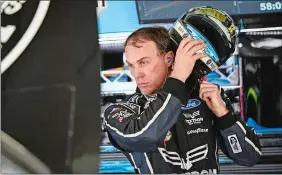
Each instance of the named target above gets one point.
<point>133,132</point>
<point>236,140</point>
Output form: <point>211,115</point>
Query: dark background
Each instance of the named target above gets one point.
<point>60,66</point>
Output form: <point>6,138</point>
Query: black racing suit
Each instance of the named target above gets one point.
<point>176,132</point>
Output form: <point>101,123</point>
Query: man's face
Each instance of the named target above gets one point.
<point>147,66</point>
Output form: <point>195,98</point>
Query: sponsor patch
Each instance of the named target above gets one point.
<point>193,115</point>
<point>195,121</point>
<point>115,110</point>
<point>180,29</point>
<point>123,114</point>
<point>234,143</point>
<point>193,118</point>
<point>168,136</point>
<point>134,107</point>
<point>120,119</point>
<point>192,103</point>
<point>197,131</point>
<point>197,154</point>
<point>209,171</point>
<point>209,61</point>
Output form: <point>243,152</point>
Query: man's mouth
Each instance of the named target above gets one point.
<point>142,84</point>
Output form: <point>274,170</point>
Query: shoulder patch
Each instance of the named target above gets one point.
<point>234,143</point>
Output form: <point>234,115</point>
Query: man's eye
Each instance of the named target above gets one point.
<point>142,63</point>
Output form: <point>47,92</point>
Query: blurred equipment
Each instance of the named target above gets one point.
<point>15,158</point>
<point>260,42</point>
<point>51,91</point>
<point>261,52</point>
<point>42,119</point>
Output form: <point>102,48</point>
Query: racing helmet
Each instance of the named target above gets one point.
<point>211,25</point>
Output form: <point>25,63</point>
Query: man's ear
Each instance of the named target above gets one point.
<point>169,56</point>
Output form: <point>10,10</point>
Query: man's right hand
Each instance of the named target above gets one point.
<point>186,57</point>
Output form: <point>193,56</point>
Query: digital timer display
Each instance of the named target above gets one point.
<point>270,6</point>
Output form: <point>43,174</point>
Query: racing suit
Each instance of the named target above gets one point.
<point>176,132</point>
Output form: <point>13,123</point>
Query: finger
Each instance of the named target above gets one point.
<point>207,89</point>
<point>184,42</point>
<point>206,99</point>
<point>207,95</point>
<point>191,44</point>
<point>196,48</point>
<point>198,56</point>
<point>207,84</point>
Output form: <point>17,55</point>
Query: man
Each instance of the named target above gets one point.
<point>157,129</point>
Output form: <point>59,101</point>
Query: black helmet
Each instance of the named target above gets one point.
<point>214,27</point>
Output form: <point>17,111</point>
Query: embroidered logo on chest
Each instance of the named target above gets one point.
<point>192,103</point>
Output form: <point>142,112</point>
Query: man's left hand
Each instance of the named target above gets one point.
<point>210,93</point>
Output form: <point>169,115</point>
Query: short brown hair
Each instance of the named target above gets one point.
<point>158,35</point>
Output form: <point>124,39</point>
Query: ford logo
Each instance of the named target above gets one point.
<point>192,103</point>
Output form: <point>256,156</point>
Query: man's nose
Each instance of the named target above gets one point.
<point>138,73</point>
